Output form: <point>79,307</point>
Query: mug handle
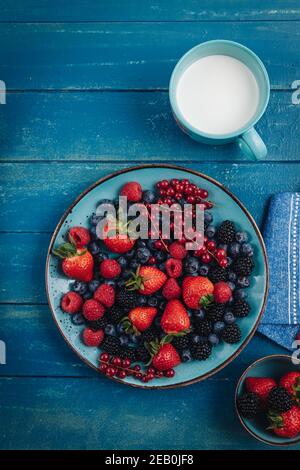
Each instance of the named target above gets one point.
<point>252,145</point>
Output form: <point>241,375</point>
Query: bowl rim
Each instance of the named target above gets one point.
<point>240,381</point>
<point>198,174</point>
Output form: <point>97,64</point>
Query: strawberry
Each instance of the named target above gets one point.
<point>175,318</point>
<point>92,310</point>
<point>110,268</point>
<point>92,338</point>
<point>222,292</point>
<point>166,357</point>
<point>119,241</point>
<point>177,250</point>
<point>77,263</point>
<point>147,280</point>
<point>171,289</point>
<point>291,381</point>
<point>260,385</point>
<point>285,424</point>
<point>298,336</point>
<point>173,267</point>
<point>71,302</point>
<point>197,291</point>
<point>79,236</point>
<point>132,190</point>
<point>105,294</point>
<point>139,319</point>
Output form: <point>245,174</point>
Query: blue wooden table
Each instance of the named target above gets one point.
<point>87,93</point>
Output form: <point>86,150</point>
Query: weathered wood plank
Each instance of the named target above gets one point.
<point>148,10</point>
<point>123,126</point>
<point>131,55</point>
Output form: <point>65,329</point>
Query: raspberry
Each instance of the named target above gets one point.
<point>222,292</point>
<point>132,190</point>
<point>80,236</point>
<point>71,302</point>
<point>92,338</point>
<point>173,267</point>
<point>93,310</point>
<point>177,250</point>
<point>105,294</point>
<point>171,289</point>
<point>110,268</point>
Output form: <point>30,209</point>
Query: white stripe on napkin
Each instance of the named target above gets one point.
<point>289,259</point>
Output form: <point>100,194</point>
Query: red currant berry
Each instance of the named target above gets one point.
<point>103,367</point>
<point>139,375</point>
<point>211,246</point>
<point>220,253</point>
<point>179,188</point>
<point>165,184</point>
<point>136,368</point>
<point>152,260</point>
<point>208,205</point>
<point>110,371</point>
<point>116,361</point>
<point>206,258</point>
<point>126,363</point>
<point>178,196</point>
<point>170,192</point>
<point>158,245</point>
<point>223,263</point>
<point>201,251</point>
<point>160,201</point>
<point>121,374</point>
<point>185,182</point>
<point>174,182</point>
<point>203,193</point>
<point>150,370</point>
<point>158,185</point>
<point>150,376</point>
<point>188,191</point>
<point>159,374</point>
<point>145,378</point>
<point>104,357</point>
<point>191,199</point>
<point>162,192</point>
<point>170,373</point>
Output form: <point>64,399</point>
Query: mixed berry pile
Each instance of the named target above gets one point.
<point>153,302</point>
<point>278,403</point>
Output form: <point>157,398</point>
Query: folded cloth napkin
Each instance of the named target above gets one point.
<point>281,320</point>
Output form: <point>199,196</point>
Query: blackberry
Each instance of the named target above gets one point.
<point>116,314</point>
<point>226,232</point>
<point>142,354</point>
<point>217,274</point>
<point>215,312</point>
<point>203,327</point>
<point>128,353</point>
<point>181,343</point>
<point>240,308</point>
<point>148,335</point>
<point>201,351</point>
<point>231,334</point>
<point>243,265</point>
<point>98,324</point>
<point>111,345</point>
<point>249,404</point>
<point>280,400</point>
<point>126,299</point>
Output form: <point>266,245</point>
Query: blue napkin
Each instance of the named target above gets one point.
<point>281,320</point>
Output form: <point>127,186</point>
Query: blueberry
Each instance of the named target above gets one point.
<point>111,282</point>
<point>240,294</point>
<point>196,339</point>
<point>122,261</point>
<point>142,300</point>
<point>162,304</point>
<point>93,285</point>
<point>80,287</point>
<point>234,248</point>
<point>143,254</point>
<point>199,314</point>
<point>213,339</point>
<point>93,232</point>
<point>149,196</point>
<point>153,301</point>
<point>126,274</point>
<point>121,328</point>
<point>203,270</point>
<point>130,254</point>
<point>210,231</point>
<point>141,243</point>
<point>219,326</point>
<point>186,355</point>
<point>160,256</point>
<point>229,261</point>
<point>243,281</point>
<point>150,244</point>
<point>124,340</point>
<point>232,276</point>
<point>231,285</point>
<point>191,265</point>
<point>208,218</point>
<point>229,318</point>
<point>110,330</point>
<point>133,339</point>
<point>134,264</point>
<point>77,319</point>
<point>121,282</point>
<point>241,237</point>
<point>94,219</point>
<point>87,295</point>
<point>190,312</point>
<point>162,267</point>
<point>247,249</point>
<point>157,320</point>
<point>224,246</point>
<point>101,257</point>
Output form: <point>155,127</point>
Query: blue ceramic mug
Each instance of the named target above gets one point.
<point>248,139</point>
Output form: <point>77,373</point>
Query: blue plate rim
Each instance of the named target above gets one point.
<point>240,381</point>
<point>238,202</point>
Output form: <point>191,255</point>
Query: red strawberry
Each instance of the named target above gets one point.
<point>105,294</point>
<point>298,336</point>
<point>222,292</point>
<point>80,236</point>
<point>177,250</point>
<point>166,358</point>
<point>286,424</point>
<point>71,302</point>
<point>119,241</point>
<point>132,190</point>
<point>260,385</point>
<point>175,318</point>
<point>92,338</point>
<point>92,310</point>
<point>196,290</point>
<point>173,267</point>
<point>291,381</point>
<point>147,280</point>
<point>110,268</point>
<point>77,263</point>
<point>140,318</point>
<point>171,289</point>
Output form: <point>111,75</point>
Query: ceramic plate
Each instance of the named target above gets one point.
<point>227,207</point>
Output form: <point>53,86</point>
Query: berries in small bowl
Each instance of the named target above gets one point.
<point>268,400</point>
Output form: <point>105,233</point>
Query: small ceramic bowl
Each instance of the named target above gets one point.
<point>274,366</point>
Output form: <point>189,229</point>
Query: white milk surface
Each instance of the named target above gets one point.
<point>217,94</point>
